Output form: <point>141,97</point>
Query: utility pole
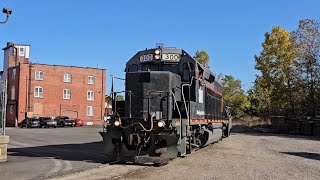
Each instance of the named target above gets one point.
<point>3,105</point>
<point>4,140</point>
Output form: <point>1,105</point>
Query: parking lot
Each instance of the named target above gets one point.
<point>75,153</point>
<point>35,153</point>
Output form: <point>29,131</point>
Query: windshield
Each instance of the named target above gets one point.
<point>150,67</point>
<point>174,68</point>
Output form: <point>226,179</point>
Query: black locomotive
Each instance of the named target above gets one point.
<point>173,105</point>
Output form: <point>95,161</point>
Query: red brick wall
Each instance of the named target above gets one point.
<point>12,103</point>
<point>15,60</point>
<point>52,104</point>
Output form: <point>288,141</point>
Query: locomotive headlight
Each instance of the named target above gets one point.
<point>161,124</point>
<point>117,123</point>
<point>156,57</point>
<point>157,51</point>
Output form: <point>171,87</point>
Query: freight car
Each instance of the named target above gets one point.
<point>173,105</point>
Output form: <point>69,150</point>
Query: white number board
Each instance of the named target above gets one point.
<point>147,57</point>
<point>171,57</point>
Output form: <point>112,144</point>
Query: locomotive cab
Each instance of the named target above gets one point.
<point>172,106</point>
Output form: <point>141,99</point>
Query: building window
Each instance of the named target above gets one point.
<point>89,110</point>
<point>90,79</point>
<point>66,94</point>
<point>39,75</point>
<point>14,73</point>
<point>13,93</point>
<point>22,51</point>
<point>67,78</point>
<point>11,109</point>
<point>38,92</point>
<point>90,96</point>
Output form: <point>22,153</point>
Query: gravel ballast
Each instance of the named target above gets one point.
<point>241,156</point>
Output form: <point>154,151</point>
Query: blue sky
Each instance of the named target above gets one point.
<point>106,34</point>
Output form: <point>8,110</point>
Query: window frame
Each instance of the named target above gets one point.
<point>90,111</point>
<point>14,73</point>
<point>13,93</point>
<point>150,67</point>
<point>23,54</point>
<point>39,78</point>
<point>93,80</point>
<point>35,91</point>
<point>65,94</point>
<point>130,68</point>
<point>67,78</point>
<point>91,95</point>
<point>11,109</point>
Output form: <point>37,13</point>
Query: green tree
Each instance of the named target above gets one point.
<point>234,96</point>
<point>202,57</point>
<point>259,98</point>
<point>119,98</point>
<point>308,40</point>
<point>274,87</point>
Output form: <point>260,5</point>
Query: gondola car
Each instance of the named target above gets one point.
<point>173,106</point>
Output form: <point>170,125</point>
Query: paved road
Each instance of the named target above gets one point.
<point>39,153</point>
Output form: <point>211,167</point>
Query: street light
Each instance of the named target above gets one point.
<point>8,12</point>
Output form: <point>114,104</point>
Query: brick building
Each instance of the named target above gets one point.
<point>36,90</point>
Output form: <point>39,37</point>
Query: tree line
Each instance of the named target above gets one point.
<point>288,79</point>
<point>288,82</point>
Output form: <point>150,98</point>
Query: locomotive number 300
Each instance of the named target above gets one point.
<point>174,57</point>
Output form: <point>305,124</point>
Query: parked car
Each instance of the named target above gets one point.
<point>47,122</point>
<point>64,121</point>
<point>78,122</point>
<point>30,123</point>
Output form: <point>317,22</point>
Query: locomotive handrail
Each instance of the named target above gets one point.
<point>148,93</point>
<point>174,97</point>
<point>175,102</point>
<point>184,100</point>
<point>115,102</point>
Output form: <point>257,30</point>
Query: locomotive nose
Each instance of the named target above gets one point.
<point>152,92</point>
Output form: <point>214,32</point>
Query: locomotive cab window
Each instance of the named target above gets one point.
<point>133,68</point>
<point>170,67</point>
<point>187,72</point>
<point>149,67</point>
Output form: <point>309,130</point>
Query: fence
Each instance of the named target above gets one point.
<point>296,125</point>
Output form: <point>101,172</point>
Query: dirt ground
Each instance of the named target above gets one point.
<point>241,156</point>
